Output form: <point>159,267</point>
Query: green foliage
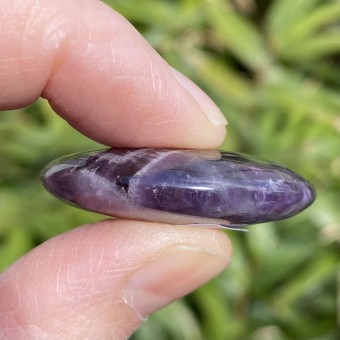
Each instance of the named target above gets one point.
<point>273,68</point>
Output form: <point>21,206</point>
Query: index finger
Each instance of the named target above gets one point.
<point>100,75</point>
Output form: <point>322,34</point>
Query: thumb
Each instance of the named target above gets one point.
<point>102,280</point>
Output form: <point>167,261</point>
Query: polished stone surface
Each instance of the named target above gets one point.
<point>179,186</point>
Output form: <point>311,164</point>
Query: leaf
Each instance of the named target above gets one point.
<point>285,14</point>
<point>322,17</point>
<point>320,46</point>
<point>238,34</point>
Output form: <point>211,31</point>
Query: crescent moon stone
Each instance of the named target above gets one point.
<point>179,186</point>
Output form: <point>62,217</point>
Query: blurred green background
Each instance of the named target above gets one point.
<point>273,67</point>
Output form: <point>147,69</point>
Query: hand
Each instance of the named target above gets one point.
<point>100,281</point>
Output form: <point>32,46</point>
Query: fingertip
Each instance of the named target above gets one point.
<point>100,75</point>
<point>111,274</point>
<point>206,104</point>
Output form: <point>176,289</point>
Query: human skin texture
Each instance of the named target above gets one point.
<point>100,281</point>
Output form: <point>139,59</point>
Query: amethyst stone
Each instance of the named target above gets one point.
<point>179,186</point>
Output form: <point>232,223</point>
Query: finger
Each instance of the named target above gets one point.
<point>100,281</point>
<point>99,74</point>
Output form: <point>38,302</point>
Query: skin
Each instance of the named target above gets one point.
<point>101,281</point>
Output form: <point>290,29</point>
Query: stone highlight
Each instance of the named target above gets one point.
<point>179,186</point>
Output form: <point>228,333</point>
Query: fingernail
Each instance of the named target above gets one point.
<point>213,113</point>
<point>173,274</point>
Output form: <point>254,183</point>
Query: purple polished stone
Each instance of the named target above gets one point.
<point>179,186</point>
